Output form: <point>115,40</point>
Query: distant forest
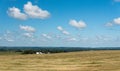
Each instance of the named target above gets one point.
<point>32,50</point>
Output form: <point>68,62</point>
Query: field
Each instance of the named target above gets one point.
<point>72,61</point>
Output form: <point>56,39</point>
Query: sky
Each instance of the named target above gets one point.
<point>60,23</point>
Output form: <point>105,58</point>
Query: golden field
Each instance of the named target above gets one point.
<point>72,61</point>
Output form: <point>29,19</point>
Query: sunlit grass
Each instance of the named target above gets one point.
<point>73,61</point>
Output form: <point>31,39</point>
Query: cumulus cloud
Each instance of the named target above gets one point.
<point>46,36</point>
<point>65,32</point>
<point>29,35</point>
<point>80,24</point>
<point>113,22</point>
<point>30,11</point>
<point>34,11</point>
<point>27,28</point>
<point>117,20</point>
<point>62,30</point>
<point>16,13</point>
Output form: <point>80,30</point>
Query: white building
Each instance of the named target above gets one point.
<point>39,53</point>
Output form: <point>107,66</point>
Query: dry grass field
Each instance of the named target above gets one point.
<point>73,61</point>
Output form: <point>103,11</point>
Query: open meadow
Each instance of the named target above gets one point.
<point>72,61</point>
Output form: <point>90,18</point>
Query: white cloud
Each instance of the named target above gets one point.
<point>114,21</point>
<point>8,36</point>
<point>72,39</point>
<point>79,24</point>
<point>30,35</point>
<point>8,39</point>
<point>30,11</point>
<point>46,36</point>
<point>102,38</point>
<point>34,11</point>
<point>27,28</point>
<point>65,32</point>
<point>117,20</point>
<point>62,30</point>
<point>16,13</point>
<point>109,24</point>
<point>58,36</point>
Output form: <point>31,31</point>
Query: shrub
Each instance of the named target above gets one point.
<point>28,52</point>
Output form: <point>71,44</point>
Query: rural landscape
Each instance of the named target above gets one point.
<point>102,60</point>
<point>60,59</point>
<point>59,35</point>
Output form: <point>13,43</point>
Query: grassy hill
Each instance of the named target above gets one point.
<point>72,61</point>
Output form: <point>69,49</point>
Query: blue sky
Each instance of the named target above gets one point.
<point>72,23</point>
